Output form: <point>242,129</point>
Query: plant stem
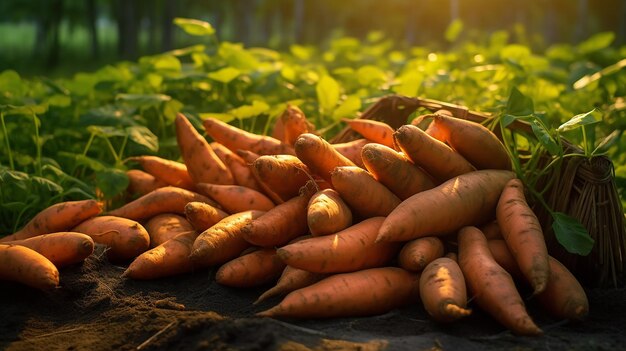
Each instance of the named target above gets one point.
<point>37,145</point>
<point>6,138</point>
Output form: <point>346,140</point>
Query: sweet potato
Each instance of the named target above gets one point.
<point>253,269</point>
<point>418,253</point>
<point>124,238</point>
<point>443,291</point>
<point>165,226</point>
<point>61,248</point>
<point>27,266</point>
<point>327,213</point>
<point>319,155</point>
<point>236,198</point>
<point>168,171</point>
<point>239,139</point>
<point>202,216</point>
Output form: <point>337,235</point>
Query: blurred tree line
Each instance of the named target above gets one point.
<point>145,26</point>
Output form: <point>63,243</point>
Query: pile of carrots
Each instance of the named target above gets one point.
<point>431,214</point>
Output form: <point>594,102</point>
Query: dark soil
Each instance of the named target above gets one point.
<point>96,309</point>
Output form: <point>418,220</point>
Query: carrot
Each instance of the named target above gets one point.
<point>349,250</point>
<point>523,235</point>
<point>435,157</point>
<point>61,248</point>
<point>238,167</point>
<point>464,136</point>
<point>363,293</point>
<point>365,196</point>
<point>167,259</point>
<point>376,131</point>
<point>165,226</point>
<point>236,198</point>
<point>170,172</point>
<point>27,266</point>
<point>280,224</point>
<point>395,171</point>
<point>278,130</point>
<point>294,123</point>
<point>327,213</point>
<point>59,217</point>
<point>319,155</point>
<point>202,163</point>
<point>443,291</point>
<point>247,155</point>
<point>431,128</point>
<point>124,238</point>
<point>563,297</point>
<point>141,183</point>
<point>291,279</point>
<point>202,216</point>
<point>418,253</point>
<point>352,150</point>
<point>491,285</point>
<point>223,241</point>
<point>465,200</point>
<point>169,199</point>
<point>238,139</point>
<point>284,174</point>
<point>256,268</point>
<point>491,230</point>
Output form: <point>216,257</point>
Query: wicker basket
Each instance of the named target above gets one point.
<point>583,188</point>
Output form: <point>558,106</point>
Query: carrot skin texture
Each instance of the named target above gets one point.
<point>236,198</point>
<point>166,226</point>
<point>284,174</point>
<point>256,268</point>
<point>224,241</point>
<point>294,124</point>
<point>447,207</point>
<point>167,259</point>
<point>59,217</point>
<point>27,266</point>
<point>380,290</point>
<point>202,163</point>
<point>61,248</point>
<point>141,183</point>
<point>168,171</point>
<point>203,216</point>
<point>492,286</point>
<point>416,254</point>
<point>443,291</point>
<point>236,139</point>
<point>375,131</point>
<point>291,279</point>
<point>348,250</point>
<point>168,199</point>
<point>365,196</point>
<point>395,171</point>
<point>238,167</point>
<point>352,150</point>
<point>125,238</point>
<point>319,155</point>
<point>327,213</point>
<point>523,234</point>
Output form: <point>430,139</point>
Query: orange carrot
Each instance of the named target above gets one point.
<point>352,150</point>
<point>238,139</point>
<point>327,213</point>
<point>247,155</point>
<point>431,128</point>
<point>464,200</point>
<point>435,157</point>
<point>443,291</point>
<point>236,198</point>
<point>61,248</point>
<point>202,216</point>
<point>394,170</point>
<point>124,238</point>
<point>464,136</point>
<point>280,224</point>
<point>319,155</point>
<point>256,268</point>
<point>202,163</point>
<point>170,172</point>
<point>141,183</point>
<point>284,174</point>
<point>167,259</point>
<point>294,123</point>
<point>238,167</point>
<point>349,250</point>
<point>365,196</point>
<point>362,293</point>
<point>163,200</point>
<point>492,287</point>
<point>418,253</point>
<point>523,235</point>
<point>165,226</point>
<point>376,131</point>
<point>291,279</point>
<point>59,217</point>
<point>27,266</point>
<point>223,241</point>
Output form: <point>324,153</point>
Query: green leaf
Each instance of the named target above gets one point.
<point>24,109</point>
<point>370,75</point>
<point>519,104</point>
<point>111,182</point>
<point>194,26</point>
<point>545,138</point>
<point>143,136</point>
<point>348,108</point>
<point>171,109</point>
<point>224,117</point>
<point>144,100</point>
<point>11,84</point>
<point>572,235</point>
<point>59,100</point>
<point>106,131</point>
<point>454,29</point>
<point>608,142</point>
<point>248,111</point>
<point>225,75</point>
<point>578,121</point>
<point>596,42</point>
<point>327,90</point>
<point>410,83</point>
